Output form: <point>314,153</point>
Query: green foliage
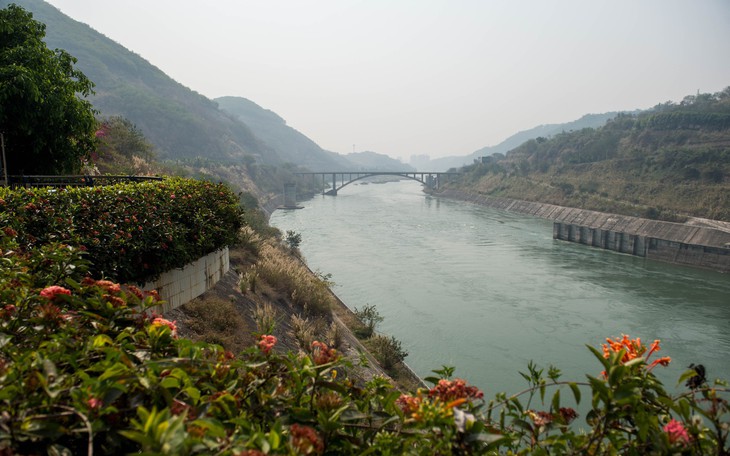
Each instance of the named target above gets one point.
<point>387,350</point>
<point>48,129</point>
<point>673,156</point>
<point>121,143</point>
<point>293,239</point>
<point>131,232</point>
<point>370,316</point>
<point>87,368</point>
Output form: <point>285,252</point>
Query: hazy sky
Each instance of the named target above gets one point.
<point>427,76</point>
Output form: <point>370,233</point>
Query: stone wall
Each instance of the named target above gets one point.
<point>179,286</point>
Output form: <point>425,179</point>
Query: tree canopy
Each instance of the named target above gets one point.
<point>47,124</point>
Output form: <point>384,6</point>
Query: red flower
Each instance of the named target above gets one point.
<point>8,310</point>
<point>676,432</point>
<point>109,286</point>
<point>266,343</point>
<point>321,354</point>
<point>53,291</point>
<point>408,404</point>
<point>567,414</point>
<point>159,321</point>
<point>94,403</point>
<point>305,440</point>
<point>135,291</point>
<point>451,390</point>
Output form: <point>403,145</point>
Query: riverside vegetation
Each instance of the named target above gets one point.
<point>86,367</point>
<point>670,162</point>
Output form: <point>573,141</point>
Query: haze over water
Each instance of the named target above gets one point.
<point>487,290</point>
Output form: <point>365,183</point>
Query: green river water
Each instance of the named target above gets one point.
<point>487,291</point>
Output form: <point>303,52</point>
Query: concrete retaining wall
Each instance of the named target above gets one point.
<point>664,241</point>
<point>179,286</point>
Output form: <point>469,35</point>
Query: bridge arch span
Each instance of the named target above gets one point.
<point>429,179</point>
<point>378,174</point>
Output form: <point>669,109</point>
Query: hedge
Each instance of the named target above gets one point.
<point>131,232</point>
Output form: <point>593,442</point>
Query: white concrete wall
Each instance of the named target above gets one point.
<point>179,286</point>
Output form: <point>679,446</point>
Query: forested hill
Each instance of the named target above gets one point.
<point>182,124</point>
<point>289,144</point>
<point>178,121</point>
<point>668,162</point>
<point>546,131</point>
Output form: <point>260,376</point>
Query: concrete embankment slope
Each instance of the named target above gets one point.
<point>665,241</point>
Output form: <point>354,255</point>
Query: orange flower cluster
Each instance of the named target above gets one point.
<point>266,343</point>
<point>451,390</point>
<point>321,354</point>
<point>159,321</point>
<point>633,349</point>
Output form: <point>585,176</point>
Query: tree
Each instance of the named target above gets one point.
<point>48,127</point>
<point>371,317</point>
<point>122,147</point>
<point>293,239</point>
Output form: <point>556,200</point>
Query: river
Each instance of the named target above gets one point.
<point>487,291</point>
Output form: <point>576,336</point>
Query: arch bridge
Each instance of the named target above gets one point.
<point>430,179</point>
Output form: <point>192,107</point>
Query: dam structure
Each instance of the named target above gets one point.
<point>678,243</point>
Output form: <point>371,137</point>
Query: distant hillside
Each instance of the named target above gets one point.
<point>181,123</point>
<point>545,131</point>
<point>289,144</point>
<point>669,162</point>
<point>371,161</point>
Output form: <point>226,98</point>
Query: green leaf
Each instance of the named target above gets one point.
<point>170,382</point>
<point>686,375</point>
<point>576,391</point>
<point>556,401</point>
<point>599,355</point>
<point>101,340</point>
<point>114,372</point>
<point>274,439</point>
<point>193,393</point>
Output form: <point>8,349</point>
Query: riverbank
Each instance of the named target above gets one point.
<point>694,244</point>
<point>227,315</point>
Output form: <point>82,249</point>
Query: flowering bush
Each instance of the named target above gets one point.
<point>87,367</point>
<point>131,232</point>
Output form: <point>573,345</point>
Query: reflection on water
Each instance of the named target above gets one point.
<point>487,291</point>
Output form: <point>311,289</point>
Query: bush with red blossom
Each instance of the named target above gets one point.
<point>88,367</point>
<point>131,232</point>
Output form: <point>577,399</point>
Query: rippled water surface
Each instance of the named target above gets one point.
<point>487,291</point>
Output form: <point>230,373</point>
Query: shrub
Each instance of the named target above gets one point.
<point>131,232</point>
<point>86,367</point>
<point>370,316</point>
<point>387,350</point>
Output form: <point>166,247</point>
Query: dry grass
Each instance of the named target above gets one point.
<point>286,273</point>
<point>266,318</point>
<point>217,321</point>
